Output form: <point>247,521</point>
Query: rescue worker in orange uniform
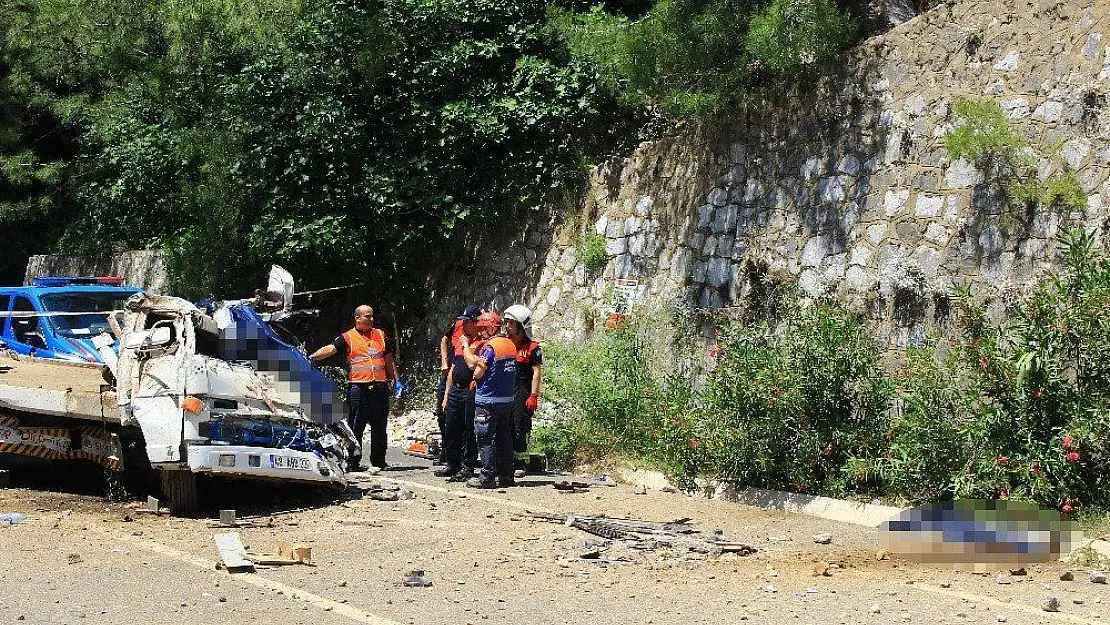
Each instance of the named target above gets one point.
<point>464,323</point>
<point>371,374</point>
<point>495,374</point>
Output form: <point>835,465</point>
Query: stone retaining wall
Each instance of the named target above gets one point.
<point>846,188</point>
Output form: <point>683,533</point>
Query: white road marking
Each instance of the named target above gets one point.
<point>254,579</point>
<point>470,494</point>
<point>1016,607</point>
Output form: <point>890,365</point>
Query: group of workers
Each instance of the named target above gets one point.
<point>488,391</point>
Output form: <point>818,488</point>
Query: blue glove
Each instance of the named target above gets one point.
<point>398,388</point>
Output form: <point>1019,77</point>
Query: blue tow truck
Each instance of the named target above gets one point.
<point>63,336</point>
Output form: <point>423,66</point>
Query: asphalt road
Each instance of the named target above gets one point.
<point>82,560</point>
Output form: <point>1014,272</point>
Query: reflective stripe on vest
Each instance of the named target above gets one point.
<point>365,358</point>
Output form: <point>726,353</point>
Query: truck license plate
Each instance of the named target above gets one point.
<point>288,462</point>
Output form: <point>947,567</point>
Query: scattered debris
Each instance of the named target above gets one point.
<point>882,554</point>
<point>639,490</point>
<point>417,579</point>
<point>769,588</point>
<point>362,522</point>
<point>247,522</point>
<point>564,486</point>
<point>1067,576</point>
<point>383,492</point>
<point>233,556</point>
<point>822,539</point>
<point>286,554</point>
<point>1002,579</point>
<point>74,558</point>
<point>152,506</point>
<point>429,450</point>
<point>1050,604</point>
<point>603,480</point>
<point>821,569</point>
<point>1098,577</point>
<point>643,535</point>
<point>61,517</point>
<point>875,609</point>
<point>12,518</point>
<point>1018,571</point>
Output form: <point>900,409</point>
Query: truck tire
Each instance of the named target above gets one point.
<point>180,489</point>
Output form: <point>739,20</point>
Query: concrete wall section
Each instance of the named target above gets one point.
<point>145,268</point>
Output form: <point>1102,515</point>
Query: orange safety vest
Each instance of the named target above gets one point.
<point>365,358</point>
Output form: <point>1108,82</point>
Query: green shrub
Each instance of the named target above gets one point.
<point>983,134</point>
<point>590,251</point>
<point>697,57</point>
<point>788,35</point>
<point>1060,189</point>
<point>788,409</point>
<point>982,131</point>
<point>610,403</point>
<point>1018,410</point>
<point>1014,410</point>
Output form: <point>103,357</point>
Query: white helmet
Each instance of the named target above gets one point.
<point>518,313</point>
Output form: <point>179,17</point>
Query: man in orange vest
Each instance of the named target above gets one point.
<point>370,376</point>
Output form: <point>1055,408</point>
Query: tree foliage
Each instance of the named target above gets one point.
<point>344,138</point>
<point>695,57</point>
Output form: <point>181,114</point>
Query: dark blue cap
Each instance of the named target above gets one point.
<point>470,313</point>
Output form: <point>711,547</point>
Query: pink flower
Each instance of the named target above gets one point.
<point>1069,441</point>
<point>1067,508</point>
<point>1003,459</point>
<point>1073,456</point>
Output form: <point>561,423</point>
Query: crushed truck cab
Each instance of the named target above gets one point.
<point>202,413</point>
<point>192,393</point>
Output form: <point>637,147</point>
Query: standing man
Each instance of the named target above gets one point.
<point>495,372</point>
<point>370,369</point>
<point>459,449</point>
<point>447,351</point>
<point>529,360</point>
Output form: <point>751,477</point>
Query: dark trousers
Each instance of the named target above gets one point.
<point>493,426</point>
<point>459,447</point>
<point>441,414</point>
<point>522,422</point>
<point>368,404</point>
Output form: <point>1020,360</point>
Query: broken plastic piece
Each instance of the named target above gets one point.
<point>416,579</point>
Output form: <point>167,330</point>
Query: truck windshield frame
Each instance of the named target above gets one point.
<point>82,326</point>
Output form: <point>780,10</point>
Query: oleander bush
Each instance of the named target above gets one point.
<point>1013,410</point>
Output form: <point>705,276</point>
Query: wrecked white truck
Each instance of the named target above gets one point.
<point>189,393</point>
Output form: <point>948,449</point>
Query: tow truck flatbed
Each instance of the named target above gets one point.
<point>56,388</point>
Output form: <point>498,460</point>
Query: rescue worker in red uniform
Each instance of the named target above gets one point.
<point>460,452</point>
<point>529,360</point>
<point>371,374</point>
<point>446,354</point>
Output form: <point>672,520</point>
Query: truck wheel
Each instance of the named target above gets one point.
<point>180,488</point>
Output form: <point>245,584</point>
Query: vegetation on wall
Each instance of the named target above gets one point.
<point>1017,410</point>
<point>983,134</point>
<point>697,57</point>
